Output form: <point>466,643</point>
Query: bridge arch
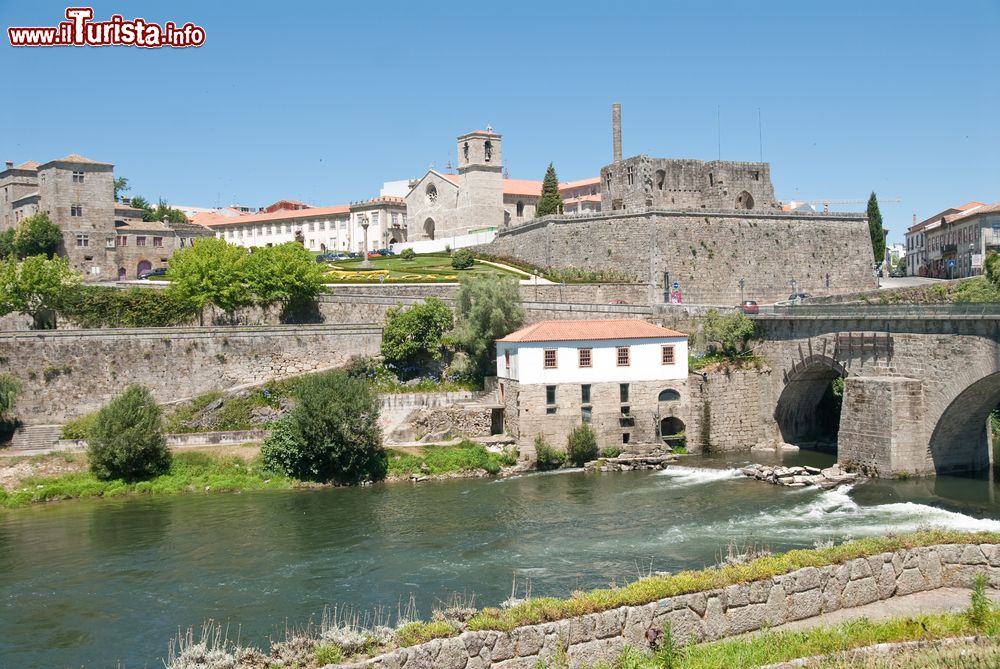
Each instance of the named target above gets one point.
<point>961,439</point>
<point>806,410</point>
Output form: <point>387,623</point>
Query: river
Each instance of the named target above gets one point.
<point>106,583</point>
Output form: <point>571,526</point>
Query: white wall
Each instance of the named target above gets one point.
<point>440,244</point>
<point>528,361</point>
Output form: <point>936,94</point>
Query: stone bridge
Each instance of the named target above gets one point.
<point>919,383</point>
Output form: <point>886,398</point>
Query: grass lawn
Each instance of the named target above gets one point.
<point>464,457</point>
<point>424,268</point>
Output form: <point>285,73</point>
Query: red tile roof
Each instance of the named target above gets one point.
<point>947,212</point>
<point>587,330</point>
<point>530,187</point>
<point>280,215</point>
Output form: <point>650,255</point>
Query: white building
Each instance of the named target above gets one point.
<point>627,378</point>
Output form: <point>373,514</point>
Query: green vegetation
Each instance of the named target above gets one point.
<point>546,457</point>
<point>978,289</point>
<point>551,200</point>
<point>462,259</point>
<point>875,229</point>
<point>644,591</point>
<point>126,439</point>
<point>411,338</point>
<point>328,653</point>
<point>120,186</point>
<point>730,333</point>
<point>331,435</point>
<point>419,632</point>
<point>159,212</point>
<point>10,388</point>
<point>37,236</point>
<point>286,275</point>
<point>189,472</point>
<point>34,287</point>
<point>79,427</point>
<point>486,310</point>
<point>407,254</point>
<point>581,446</point>
<point>212,272</point>
<point>102,307</point>
<point>466,456</point>
<point>420,268</point>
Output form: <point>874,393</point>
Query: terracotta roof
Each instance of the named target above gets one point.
<point>587,330</point>
<point>582,198</point>
<point>27,165</point>
<point>522,187</point>
<point>77,158</point>
<point>280,215</point>
<point>947,212</point>
<point>592,181</point>
<point>143,226</point>
<point>975,211</point>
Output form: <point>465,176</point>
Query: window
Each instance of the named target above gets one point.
<point>520,208</point>
<point>585,357</point>
<point>550,358</point>
<point>585,414</point>
<point>623,392</point>
<point>624,356</point>
<point>630,175</point>
<point>78,177</point>
<point>76,210</point>
<point>625,436</point>
<point>82,241</point>
<point>550,399</point>
<point>158,241</point>
<point>140,241</point>
<point>506,360</point>
<point>488,150</point>
<point>375,218</point>
<point>121,240</point>
<point>667,354</point>
<point>607,180</point>
<point>711,179</point>
<point>395,219</point>
<point>585,393</point>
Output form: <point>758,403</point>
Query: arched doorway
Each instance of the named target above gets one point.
<point>122,273</point>
<point>744,200</point>
<point>808,410</point>
<point>143,266</point>
<point>961,440</point>
<point>672,432</point>
<point>429,228</point>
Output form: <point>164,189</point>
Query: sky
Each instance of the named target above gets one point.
<point>323,101</point>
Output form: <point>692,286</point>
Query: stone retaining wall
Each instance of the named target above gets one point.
<point>730,411</point>
<point>707,616</point>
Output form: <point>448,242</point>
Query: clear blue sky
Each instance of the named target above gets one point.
<point>322,101</point>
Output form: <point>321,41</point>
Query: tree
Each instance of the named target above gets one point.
<point>487,308</point>
<point>875,229</point>
<point>10,388</point>
<point>551,201</point>
<point>331,435</point>
<point>159,212</point>
<point>139,202</point>
<point>732,331</point>
<point>413,336</point>
<point>121,186</point>
<point>210,272</point>
<point>7,243</point>
<point>581,446</point>
<point>462,259</point>
<point>126,441</point>
<point>37,235</point>
<point>992,267</point>
<point>34,287</point>
<point>286,274</point>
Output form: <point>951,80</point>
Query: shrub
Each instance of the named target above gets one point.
<point>581,446</point>
<point>546,457</point>
<point>37,235</point>
<point>732,331</point>
<point>611,452</point>
<point>126,441</point>
<point>407,254</point>
<point>99,307</point>
<point>413,336</point>
<point>331,435</point>
<point>462,259</point>
<point>79,427</point>
<point>328,654</point>
<point>486,309</point>
<point>10,387</point>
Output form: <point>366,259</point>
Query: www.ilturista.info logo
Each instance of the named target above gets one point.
<point>80,30</point>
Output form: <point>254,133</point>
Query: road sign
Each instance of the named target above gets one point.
<point>676,285</point>
<point>951,263</point>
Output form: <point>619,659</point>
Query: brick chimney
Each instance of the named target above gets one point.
<point>616,129</point>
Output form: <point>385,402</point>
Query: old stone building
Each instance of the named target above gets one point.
<point>953,243</point>
<point>707,232</point>
<point>627,379</point>
<point>479,198</point>
<point>78,195</point>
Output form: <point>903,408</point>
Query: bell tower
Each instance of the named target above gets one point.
<point>480,180</point>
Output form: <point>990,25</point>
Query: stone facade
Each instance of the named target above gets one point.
<point>707,616</point>
<point>70,373</point>
<point>637,183</point>
<point>730,410</point>
<point>707,253</point>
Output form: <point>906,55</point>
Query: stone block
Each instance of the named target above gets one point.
<point>950,554</point>
<point>737,595</point>
<point>746,618</point>
<point>504,648</point>
<point>910,581</point>
<point>775,608</point>
<point>886,581</point>
<point>527,640</point>
<point>595,652</point>
<point>638,619</point>
<point>473,641</point>
<point>804,604</point>
<point>758,591</point>
<point>859,569</point>
<point>860,592</point>
<point>609,623</point>
<point>516,663</point>
<point>581,629</point>
<point>973,554</point>
<point>451,655</point>
<point>685,624</point>
<point>715,623</point>
<point>992,554</point>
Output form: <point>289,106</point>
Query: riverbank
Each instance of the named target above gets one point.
<point>234,468</point>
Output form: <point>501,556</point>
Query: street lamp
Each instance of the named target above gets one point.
<point>742,283</point>
<point>364,226</point>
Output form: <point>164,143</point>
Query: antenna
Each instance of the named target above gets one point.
<point>718,127</point>
<point>760,134</point>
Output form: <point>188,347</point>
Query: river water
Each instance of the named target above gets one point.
<point>106,583</point>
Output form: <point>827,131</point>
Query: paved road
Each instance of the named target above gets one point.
<point>906,282</point>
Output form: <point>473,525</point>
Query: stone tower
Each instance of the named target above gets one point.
<point>480,174</point>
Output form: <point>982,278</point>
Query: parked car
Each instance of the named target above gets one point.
<point>385,253</point>
<point>146,273</point>
<point>374,254</point>
<point>749,307</point>
<point>617,302</point>
<point>897,274</point>
<point>798,297</point>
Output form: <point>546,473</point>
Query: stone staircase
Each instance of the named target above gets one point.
<point>35,437</point>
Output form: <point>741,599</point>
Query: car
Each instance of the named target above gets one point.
<point>749,307</point>
<point>798,297</point>
<point>146,273</point>
<point>374,254</point>
<point>896,274</point>
<point>617,302</point>
<point>385,253</point>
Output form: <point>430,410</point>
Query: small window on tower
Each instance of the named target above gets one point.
<point>465,150</point>
<point>630,175</point>
<point>488,150</point>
